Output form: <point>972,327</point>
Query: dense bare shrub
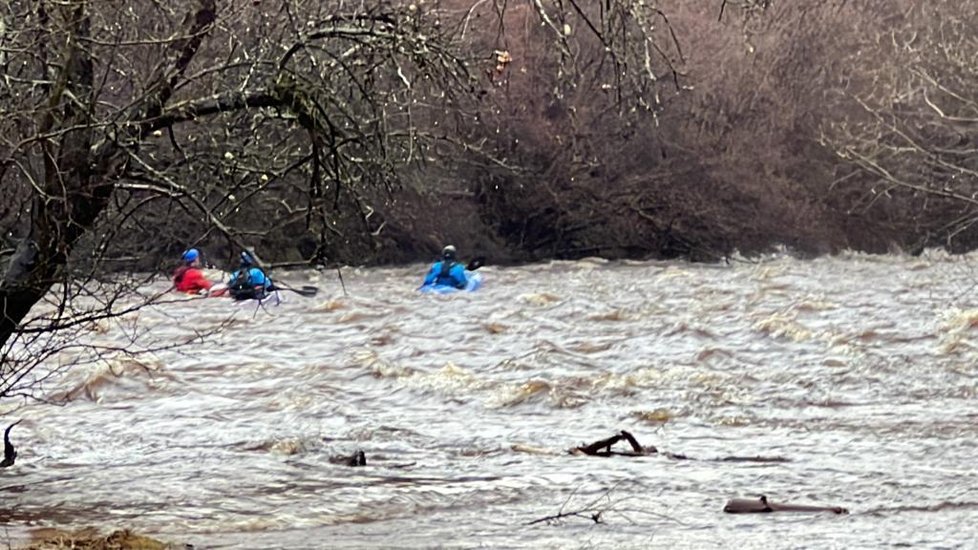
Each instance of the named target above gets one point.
<point>575,141</point>
<point>815,108</point>
<point>911,124</point>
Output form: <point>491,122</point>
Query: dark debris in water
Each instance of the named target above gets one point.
<point>359,458</point>
<point>9,452</point>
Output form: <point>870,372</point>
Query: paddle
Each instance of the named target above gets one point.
<point>307,291</point>
<point>476,263</point>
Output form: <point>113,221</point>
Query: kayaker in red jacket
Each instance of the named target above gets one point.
<point>189,277</point>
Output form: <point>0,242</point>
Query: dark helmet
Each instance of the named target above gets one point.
<point>448,253</point>
<point>247,259</point>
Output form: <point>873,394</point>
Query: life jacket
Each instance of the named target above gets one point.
<point>243,288</point>
<point>445,277</point>
<point>179,273</point>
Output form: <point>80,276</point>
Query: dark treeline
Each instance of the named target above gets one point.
<point>685,129</point>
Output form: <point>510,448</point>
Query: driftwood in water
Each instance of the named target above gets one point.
<point>602,447</point>
<point>9,452</point>
<point>762,506</point>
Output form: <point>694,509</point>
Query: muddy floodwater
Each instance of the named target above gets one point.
<point>860,370</point>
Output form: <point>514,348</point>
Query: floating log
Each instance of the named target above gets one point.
<point>602,447</point>
<point>762,506</point>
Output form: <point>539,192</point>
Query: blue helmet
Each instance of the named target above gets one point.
<point>190,256</point>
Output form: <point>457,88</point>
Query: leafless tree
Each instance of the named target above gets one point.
<point>130,130</point>
<point>119,112</point>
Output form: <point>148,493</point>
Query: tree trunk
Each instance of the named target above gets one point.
<point>80,174</point>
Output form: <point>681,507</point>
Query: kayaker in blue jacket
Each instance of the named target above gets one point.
<point>249,282</point>
<point>446,271</point>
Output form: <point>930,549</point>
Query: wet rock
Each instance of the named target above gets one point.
<point>359,458</point>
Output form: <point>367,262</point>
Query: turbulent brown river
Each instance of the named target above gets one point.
<point>859,370</point>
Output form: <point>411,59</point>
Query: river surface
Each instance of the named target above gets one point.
<point>860,370</point>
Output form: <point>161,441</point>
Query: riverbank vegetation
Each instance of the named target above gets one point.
<point>91,539</point>
<point>375,132</point>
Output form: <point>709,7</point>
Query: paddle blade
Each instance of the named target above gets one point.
<point>306,291</point>
<point>476,263</point>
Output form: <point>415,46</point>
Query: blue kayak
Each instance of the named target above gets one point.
<point>473,281</point>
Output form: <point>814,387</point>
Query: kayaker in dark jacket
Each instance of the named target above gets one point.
<point>446,271</point>
<point>249,282</point>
